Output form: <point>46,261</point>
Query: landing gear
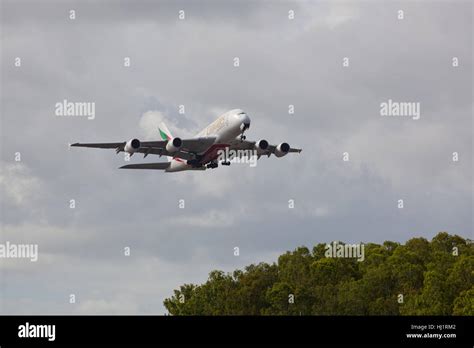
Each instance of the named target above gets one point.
<point>227,163</point>
<point>195,162</point>
<point>212,165</point>
<point>243,127</point>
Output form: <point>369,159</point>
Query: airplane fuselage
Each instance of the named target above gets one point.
<point>227,129</point>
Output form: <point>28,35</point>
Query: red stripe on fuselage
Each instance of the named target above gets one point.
<point>211,153</point>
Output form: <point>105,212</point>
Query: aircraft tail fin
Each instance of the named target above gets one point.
<point>165,135</point>
<point>164,132</point>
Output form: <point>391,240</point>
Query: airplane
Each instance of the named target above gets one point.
<point>200,152</point>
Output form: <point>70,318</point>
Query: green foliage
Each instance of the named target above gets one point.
<point>418,278</point>
<point>464,303</point>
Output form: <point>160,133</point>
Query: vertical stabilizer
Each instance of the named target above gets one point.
<point>165,135</point>
<point>164,132</point>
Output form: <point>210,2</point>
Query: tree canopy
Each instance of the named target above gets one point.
<point>417,278</point>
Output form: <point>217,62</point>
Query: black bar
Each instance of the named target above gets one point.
<point>218,330</point>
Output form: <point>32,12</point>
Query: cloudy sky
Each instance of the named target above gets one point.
<point>190,62</point>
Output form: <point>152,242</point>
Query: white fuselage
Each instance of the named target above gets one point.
<point>226,129</point>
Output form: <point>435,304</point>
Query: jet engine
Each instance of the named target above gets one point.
<point>131,146</point>
<point>174,144</point>
<point>261,146</point>
<point>282,149</point>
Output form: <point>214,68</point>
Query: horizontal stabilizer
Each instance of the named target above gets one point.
<point>160,165</point>
<point>101,145</point>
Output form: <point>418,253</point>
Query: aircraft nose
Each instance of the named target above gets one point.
<point>245,121</point>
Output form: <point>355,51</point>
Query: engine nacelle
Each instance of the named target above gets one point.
<point>174,144</point>
<point>282,149</point>
<point>261,146</point>
<point>131,146</point>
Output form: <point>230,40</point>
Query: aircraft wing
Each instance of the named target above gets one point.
<point>271,149</point>
<point>188,148</point>
<point>250,145</point>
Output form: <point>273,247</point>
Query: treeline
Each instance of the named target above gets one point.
<point>417,278</point>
